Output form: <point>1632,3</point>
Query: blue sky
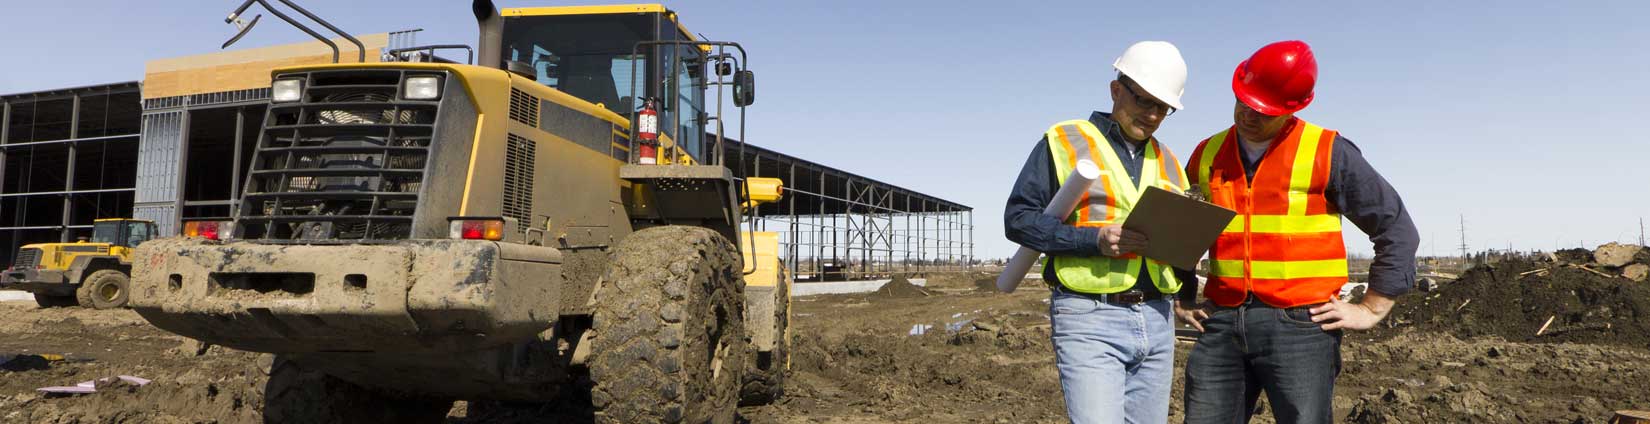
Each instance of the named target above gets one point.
<point>1521,117</point>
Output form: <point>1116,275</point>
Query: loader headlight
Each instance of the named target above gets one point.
<point>422,88</point>
<point>286,90</point>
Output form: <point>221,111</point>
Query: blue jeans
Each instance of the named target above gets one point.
<point>1254,348</point>
<point>1116,362</point>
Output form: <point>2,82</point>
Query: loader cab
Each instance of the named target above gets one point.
<point>122,232</point>
<point>592,52</point>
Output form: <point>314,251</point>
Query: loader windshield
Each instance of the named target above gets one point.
<point>107,232</point>
<point>587,56</point>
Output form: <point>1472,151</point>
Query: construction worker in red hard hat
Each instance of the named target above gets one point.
<point>1274,319</point>
<point>1112,324</point>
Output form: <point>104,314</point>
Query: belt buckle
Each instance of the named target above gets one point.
<point>1130,297</point>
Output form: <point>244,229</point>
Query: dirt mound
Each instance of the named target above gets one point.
<point>1423,377</point>
<point>980,281</point>
<point>899,288</point>
<point>1514,299</point>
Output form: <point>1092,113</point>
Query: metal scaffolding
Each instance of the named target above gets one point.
<point>836,225</point>
<point>62,153</point>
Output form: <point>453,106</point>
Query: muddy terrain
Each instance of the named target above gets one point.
<point>950,352</point>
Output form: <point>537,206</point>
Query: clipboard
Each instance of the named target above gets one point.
<point>1178,229</point>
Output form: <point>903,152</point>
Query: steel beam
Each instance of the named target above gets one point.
<point>68,175</point>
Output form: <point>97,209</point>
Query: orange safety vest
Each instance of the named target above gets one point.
<point>1109,202</point>
<point>1285,246</point>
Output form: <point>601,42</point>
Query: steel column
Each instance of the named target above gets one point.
<point>235,164</point>
<point>68,176</point>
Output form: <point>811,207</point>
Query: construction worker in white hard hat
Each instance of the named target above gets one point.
<point>1111,309</point>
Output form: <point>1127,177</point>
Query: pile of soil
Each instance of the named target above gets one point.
<point>1417,378</point>
<point>980,281</point>
<point>1514,299</point>
<point>899,288</point>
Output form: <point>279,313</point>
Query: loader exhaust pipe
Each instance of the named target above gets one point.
<point>492,34</point>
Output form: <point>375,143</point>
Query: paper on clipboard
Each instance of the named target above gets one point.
<point>1178,229</point>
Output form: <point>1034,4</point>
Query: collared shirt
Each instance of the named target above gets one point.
<point>1025,224</point>
<point>1364,197</point>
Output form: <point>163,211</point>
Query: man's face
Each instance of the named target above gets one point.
<point>1255,126</point>
<point>1136,111</point>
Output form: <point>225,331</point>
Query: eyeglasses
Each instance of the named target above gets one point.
<point>1148,104</point>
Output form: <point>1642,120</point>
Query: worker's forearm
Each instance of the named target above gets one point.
<point>1378,304</point>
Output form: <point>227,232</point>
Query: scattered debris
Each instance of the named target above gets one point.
<point>91,386</point>
<point>1544,326</point>
<point>1636,272</point>
<point>920,329</point>
<point>1615,255</point>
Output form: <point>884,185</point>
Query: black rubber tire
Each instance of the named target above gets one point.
<point>669,343</point>
<point>104,289</point>
<point>765,372</point>
<point>297,395</point>
<point>49,301</point>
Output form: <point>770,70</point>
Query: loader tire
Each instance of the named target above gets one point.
<point>104,289</point>
<point>669,342</point>
<point>765,371</point>
<point>297,395</point>
<point>50,301</point>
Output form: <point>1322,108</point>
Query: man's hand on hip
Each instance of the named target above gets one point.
<point>1192,316</point>
<point>1116,241</point>
<point>1337,315</point>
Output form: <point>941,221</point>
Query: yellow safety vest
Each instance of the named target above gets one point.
<point>1108,202</point>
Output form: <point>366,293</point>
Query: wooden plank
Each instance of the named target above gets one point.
<point>244,69</point>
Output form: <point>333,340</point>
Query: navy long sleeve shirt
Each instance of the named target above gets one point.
<point>1024,222</point>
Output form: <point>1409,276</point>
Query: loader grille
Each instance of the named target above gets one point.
<point>27,258</point>
<point>345,162</point>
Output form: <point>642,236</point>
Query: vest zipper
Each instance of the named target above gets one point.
<point>1248,246</point>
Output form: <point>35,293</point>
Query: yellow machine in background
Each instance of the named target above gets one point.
<point>92,273</point>
<point>559,215</point>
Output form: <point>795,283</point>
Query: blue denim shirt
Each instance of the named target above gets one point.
<point>1024,222</point>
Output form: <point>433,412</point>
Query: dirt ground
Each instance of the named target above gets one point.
<point>950,352</point>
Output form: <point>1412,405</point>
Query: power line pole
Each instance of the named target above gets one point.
<point>1641,231</point>
<point>1463,236</point>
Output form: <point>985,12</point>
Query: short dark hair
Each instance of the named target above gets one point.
<point>1124,78</point>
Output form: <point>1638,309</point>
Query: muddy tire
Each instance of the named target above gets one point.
<point>297,395</point>
<point>104,289</point>
<point>765,371</point>
<point>669,342</point>
<point>49,301</point>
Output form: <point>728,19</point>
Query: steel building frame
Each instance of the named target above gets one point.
<point>836,225</point>
<point>73,142</point>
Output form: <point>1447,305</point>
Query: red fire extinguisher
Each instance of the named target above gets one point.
<point>647,130</point>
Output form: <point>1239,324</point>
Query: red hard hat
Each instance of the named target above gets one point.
<point>1278,78</point>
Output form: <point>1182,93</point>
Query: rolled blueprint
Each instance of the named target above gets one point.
<point>1064,202</point>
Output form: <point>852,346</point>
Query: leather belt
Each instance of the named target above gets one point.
<point>1126,298</point>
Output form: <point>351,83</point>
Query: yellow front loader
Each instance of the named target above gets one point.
<point>92,274</point>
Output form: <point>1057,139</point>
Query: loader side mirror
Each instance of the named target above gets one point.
<point>744,88</point>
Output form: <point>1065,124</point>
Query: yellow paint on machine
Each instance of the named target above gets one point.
<point>766,250</point>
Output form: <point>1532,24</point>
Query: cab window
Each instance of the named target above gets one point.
<point>106,232</point>
<point>588,56</point>
<point>139,234</point>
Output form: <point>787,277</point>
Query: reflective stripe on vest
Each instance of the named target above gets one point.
<point>1108,202</point>
<point>1285,247</point>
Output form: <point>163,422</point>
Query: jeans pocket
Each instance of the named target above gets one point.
<point>1299,317</point>
<point>1065,304</point>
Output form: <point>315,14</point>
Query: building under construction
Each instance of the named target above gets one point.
<point>175,147</point>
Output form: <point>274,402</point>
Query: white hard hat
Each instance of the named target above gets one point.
<point>1157,67</point>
